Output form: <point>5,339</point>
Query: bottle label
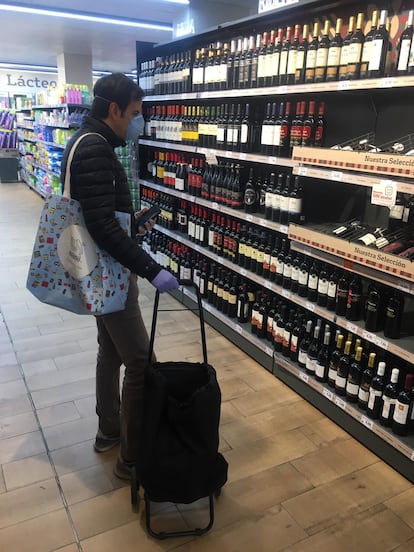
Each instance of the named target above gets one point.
<point>279,266</point>
<point>244,134</point>
<point>386,406</point>
<point>331,373</point>
<point>249,196</point>
<point>292,63</point>
<point>373,395</point>
<point>283,63</point>
<point>334,58</point>
<point>267,135</point>
<point>352,388</point>
<point>310,364</point>
<point>313,281</point>
<point>303,278</point>
<point>311,59</point>
<point>260,257</point>
<point>294,343</point>
<point>354,52</point>
<point>397,212</point>
<point>198,75</point>
<point>363,395</point>
<point>401,413</point>
<point>300,60</point>
<point>368,239</point>
<point>376,53</point>
<point>287,270</point>
<point>266,261</point>
<point>340,382</point>
<point>276,135</point>
<point>323,286</point>
<point>261,63</point>
<point>322,57</point>
<point>276,202</point>
<point>284,203</point>
<point>286,339</point>
<point>319,370</point>
<point>302,357</point>
<point>331,289</point>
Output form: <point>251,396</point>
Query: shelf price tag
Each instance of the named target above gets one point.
<point>249,217</point>
<point>243,272</point>
<point>337,175</point>
<point>304,377</point>
<point>369,336</point>
<point>268,284</point>
<point>282,89</point>
<point>215,206</point>
<point>387,82</point>
<point>344,85</point>
<point>211,157</point>
<point>286,293</point>
<point>328,394</point>
<point>367,422</point>
<point>384,193</point>
<point>283,229</point>
<point>351,327</point>
<point>302,171</point>
<point>238,329</point>
<point>207,307</point>
<point>382,343</point>
<point>269,351</point>
<point>412,456</point>
<point>340,402</point>
<point>310,306</point>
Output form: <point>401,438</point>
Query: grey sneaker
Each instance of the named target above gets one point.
<point>123,469</point>
<point>105,442</point>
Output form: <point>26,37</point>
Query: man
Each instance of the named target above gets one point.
<point>99,183</point>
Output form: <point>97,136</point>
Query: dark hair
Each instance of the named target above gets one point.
<point>117,88</point>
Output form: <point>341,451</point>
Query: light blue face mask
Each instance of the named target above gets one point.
<point>135,128</point>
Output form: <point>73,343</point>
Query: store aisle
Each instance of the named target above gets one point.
<point>297,482</point>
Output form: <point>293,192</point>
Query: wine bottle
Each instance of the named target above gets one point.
<point>375,392</point>
<point>342,295</point>
<point>393,315</point>
<point>294,279</point>
<point>250,194</point>
<point>354,377</point>
<point>343,64</point>
<point>284,54</point>
<point>367,47</point>
<point>373,310</point>
<point>389,399</point>
<point>243,305</point>
<point>312,352</point>
<point>301,56</point>
<point>297,334</point>
<point>304,345</point>
<point>342,370</point>
<point>379,48</point>
<point>303,277</point>
<point>402,407</point>
<point>354,300</point>
<point>309,126</point>
<point>334,54</point>
<point>313,281</point>
<point>284,138</point>
<point>292,57</point>
<point>295,214</point>
<point>366,379</point>
<point>355,49</point>
<point>279,329</point>
<point>261,62</point>
<point>322,54</point>
<point>322,363</point>
<point>331,294</point>
<point>287,335</point>
<point>323,283</point>
<point>311,55</point>
<point>320,126</point>
<point>276,197</point>
<point>284,202</point>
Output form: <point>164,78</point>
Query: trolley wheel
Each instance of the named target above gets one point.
<point>134,488</point>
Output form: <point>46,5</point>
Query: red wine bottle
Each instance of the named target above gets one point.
<point>375,392</point>
<point>389,399</point>
<point>402,408</point>
<point>366,379</point>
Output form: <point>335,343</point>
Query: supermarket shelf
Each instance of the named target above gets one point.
<point>8,153</point>
<point>402,348</point>
<point>336,86</point>
<point>404,445</point>
<point>349,177</point>
<point>241,215</point>
<point>210,152</point>
<point>362,270</point>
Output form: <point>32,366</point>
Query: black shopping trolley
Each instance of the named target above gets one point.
<point>179,460</point>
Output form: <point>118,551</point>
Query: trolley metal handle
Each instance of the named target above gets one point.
<point>185,283</point>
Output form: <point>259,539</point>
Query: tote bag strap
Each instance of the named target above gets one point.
<point>66,189</point>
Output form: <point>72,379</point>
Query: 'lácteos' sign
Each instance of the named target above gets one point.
<point>15,82</point>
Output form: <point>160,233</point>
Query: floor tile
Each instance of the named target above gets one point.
<point>266,453</point>
<point>18,424</point>
<point>70,433</point>
<point>376,530</point>
<point>102,513</point>
<point>64,393</point>
<point>86,407</point>
<point>403,505</point>
<point>58,414</point>
<point>29,502</point>
<point>43,533</point>
<point>259,401</point>
<point>27,471</point>
<point>10,372</point>
<point>270,531</point>
<point>14,405</point>
<point>346,496</point>
<point>22,446</point>
<point>80,456</point>
<point>85,484</point>
<point>329,463</point>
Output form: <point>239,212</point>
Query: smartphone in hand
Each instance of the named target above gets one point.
<point>152,212</point>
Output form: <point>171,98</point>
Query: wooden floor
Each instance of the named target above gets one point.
<point>297,482</point>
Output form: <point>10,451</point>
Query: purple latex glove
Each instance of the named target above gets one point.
<point>164,281</point>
